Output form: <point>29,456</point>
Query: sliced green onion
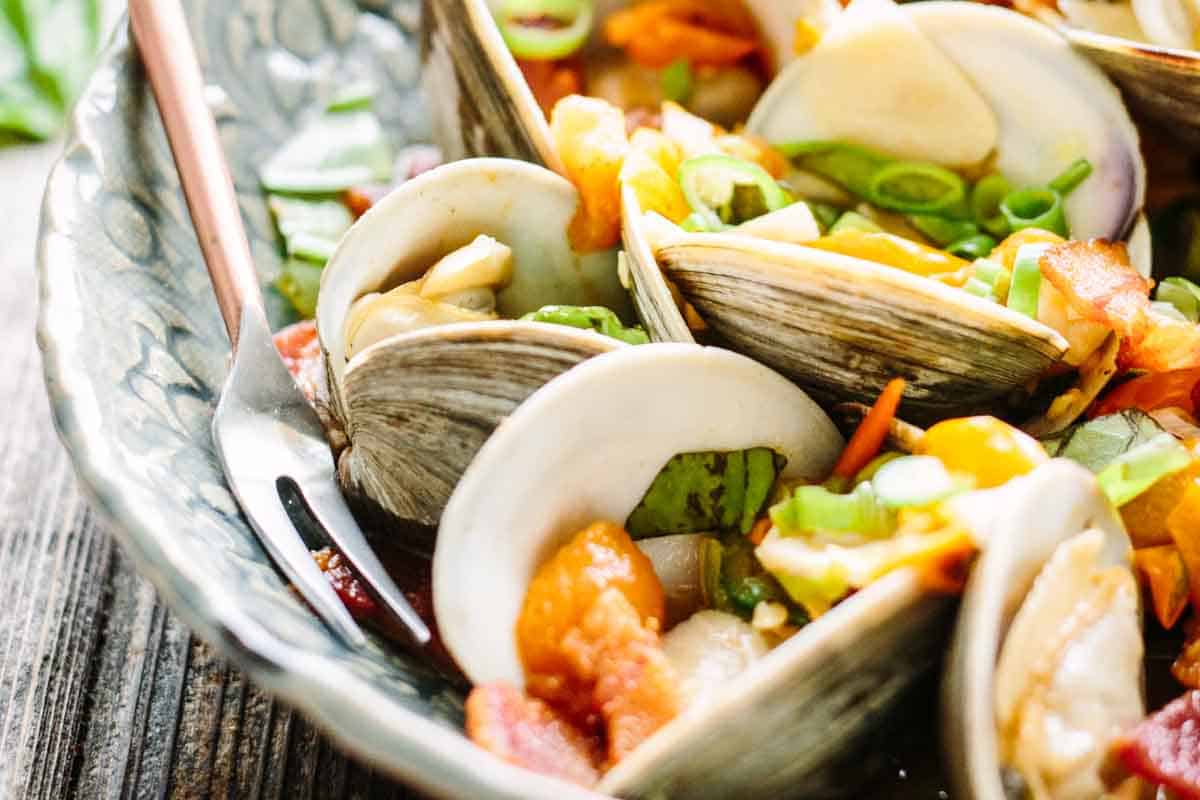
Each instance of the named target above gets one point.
<point>592,318</point>
<point>1097,443</point>
<point>678,81</point>
<point>914,482</point>
<point>814,508</point>
<point>986,198</point>
<point>353,97</point>
<point>850,166</point>
<point>726,191</point>
<point>853,221</point>
<point>299,282</point>
<point>1035,208</point>
<point>311,228</point>
<point>940,230</point>
<point>519,20</point>
<point>334,152</point>
<point>916,188</point>
<point>825,214</point>
<point>1140,468</point>
<point>978,246</point>
<point>992,276</point>
<point>979,288</point>
<point>868,472</point>
<point>1026,280</point>
<point>1070,178</point>
<point>698,223</point>
<point>1182,294</point>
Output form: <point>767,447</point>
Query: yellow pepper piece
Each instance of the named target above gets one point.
<point>1184,525</point>
<point>806,37</point>
<point>991,451</point>
<point>1163,572</point>
<point>1005,253</point>
<point>1145,516</point>
<point>591,139</point>
<point>649,170</point>
<point>893,251</point>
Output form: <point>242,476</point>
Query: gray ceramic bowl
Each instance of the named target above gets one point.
<point>136,353</point>
<point>135,356</point>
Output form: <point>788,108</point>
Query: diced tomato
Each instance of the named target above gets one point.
<point>527,732</point>
<point>301,352</point>
<point>1165,748</point>
<point>346,584</point>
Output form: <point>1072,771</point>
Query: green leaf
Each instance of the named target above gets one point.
<point>334,152</point>
<point>1097,443</point>
<point>815,508</point>
<point>706,491</point>
<point>1182,294</point>
<point>592,318</point>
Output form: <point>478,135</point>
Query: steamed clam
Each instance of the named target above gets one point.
<point>418,317</point>
<point>1045,671</point>
<point>525,581</point>
<point>841,319</point>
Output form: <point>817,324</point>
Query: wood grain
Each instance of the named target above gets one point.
<point>103,693</point>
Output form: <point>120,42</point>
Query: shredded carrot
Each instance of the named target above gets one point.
<point>872,431</point>
<point>759,531</point>
<point>1163,572</point>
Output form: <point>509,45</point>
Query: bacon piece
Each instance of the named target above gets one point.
<point>634,686</point>
<point>301,352</point>
<point>1165,748</point>
<point>1102,286</point>
<point>527,732</point>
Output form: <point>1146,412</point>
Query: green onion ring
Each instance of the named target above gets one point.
<point>953,188</point>
<point>540,44</point>
<point>1035,207</point>
<point>986,198</point>
<point>1070,178</point>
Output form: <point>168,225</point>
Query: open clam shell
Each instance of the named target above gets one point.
<point>843,326</point>
<point>480,102</point>
<point>586,447</point>
<point>411,410</point>
<point>1054,504</point>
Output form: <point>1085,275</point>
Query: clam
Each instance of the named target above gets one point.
<point>585,447</point>
<point>1046,663</point>
<point>843,326</point>
<point>1149,47</point>
<point>480,101</point>
<point>410,403</point>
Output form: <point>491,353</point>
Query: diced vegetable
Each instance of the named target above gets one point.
<point>985,448</point>
<point>871,433</point>
<point>1146,515</point>
<point>916,188</point>
<point>986,197</point>
<point>914,482</point>
<point>332,153</point>
<point>1096,443</point>
<point>299,282</point>
<point>850,166</point>
<point>311,228</point>
<point>1182,294</point>
<point>892,251</point>
<point>742,582</point>
<point>591,139</point>
<point>727,191</point>
<point>1035,208</point>
<point>1177,388</point>
<point>678,81</point>
<point>1184,525</point>
<point>815,508</point>
<point>658,32</point>
<point>973,247</point>
<point>1069,179</point>
<point>545,30</point>
<point>853,221</point>
<point>707,491</point>
<point>1026,283</point>
<point>594,318</point>
<point>1162,570</point>
<point>651,169</point>
<point>942,231</point>
<point>1135,471</point>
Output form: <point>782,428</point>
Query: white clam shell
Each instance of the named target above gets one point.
<point>1021,524</point>
<point>585,447</point>
<point>416,406</point>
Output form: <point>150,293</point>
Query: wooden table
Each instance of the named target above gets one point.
<point>103,692</point>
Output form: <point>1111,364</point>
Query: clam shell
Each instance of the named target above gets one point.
<point>1021,523</point>
<point>843,327</point>
<point>413,408</point>
<point>586,446</point>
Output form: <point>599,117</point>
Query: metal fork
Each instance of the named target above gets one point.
<point>269,439</point>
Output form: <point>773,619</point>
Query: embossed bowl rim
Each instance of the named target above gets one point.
<point>360,717</point>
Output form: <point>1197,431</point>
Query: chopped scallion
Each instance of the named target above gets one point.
<point>978,246</point>
<point>677,81</point>
<point>727,191</point>
<point>1070,178</point>
<point>1026,280</point>
<point>523,26</point>
<point>593,318</point>
<point>914,482</point>
<point>1135,471</point>
<point>916,188</point>
<point>853,221</point>
<point>1182,294</point>
<point>942,231</point>
<point>986,198</point>
<point>814,508</point>
<point>1035,207</point>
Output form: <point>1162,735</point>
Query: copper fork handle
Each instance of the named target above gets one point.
<point>161,33</point>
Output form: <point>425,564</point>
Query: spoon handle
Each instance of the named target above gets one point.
<point>161,33</point>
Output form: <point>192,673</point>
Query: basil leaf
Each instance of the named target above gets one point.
<point>707,491</point>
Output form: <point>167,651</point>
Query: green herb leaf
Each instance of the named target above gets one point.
<point>1181,293</point>
<point>592,318</point>
<point>706,491</point>
<point>311,228</point>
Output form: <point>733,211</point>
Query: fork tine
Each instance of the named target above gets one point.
<point>330,511</point>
